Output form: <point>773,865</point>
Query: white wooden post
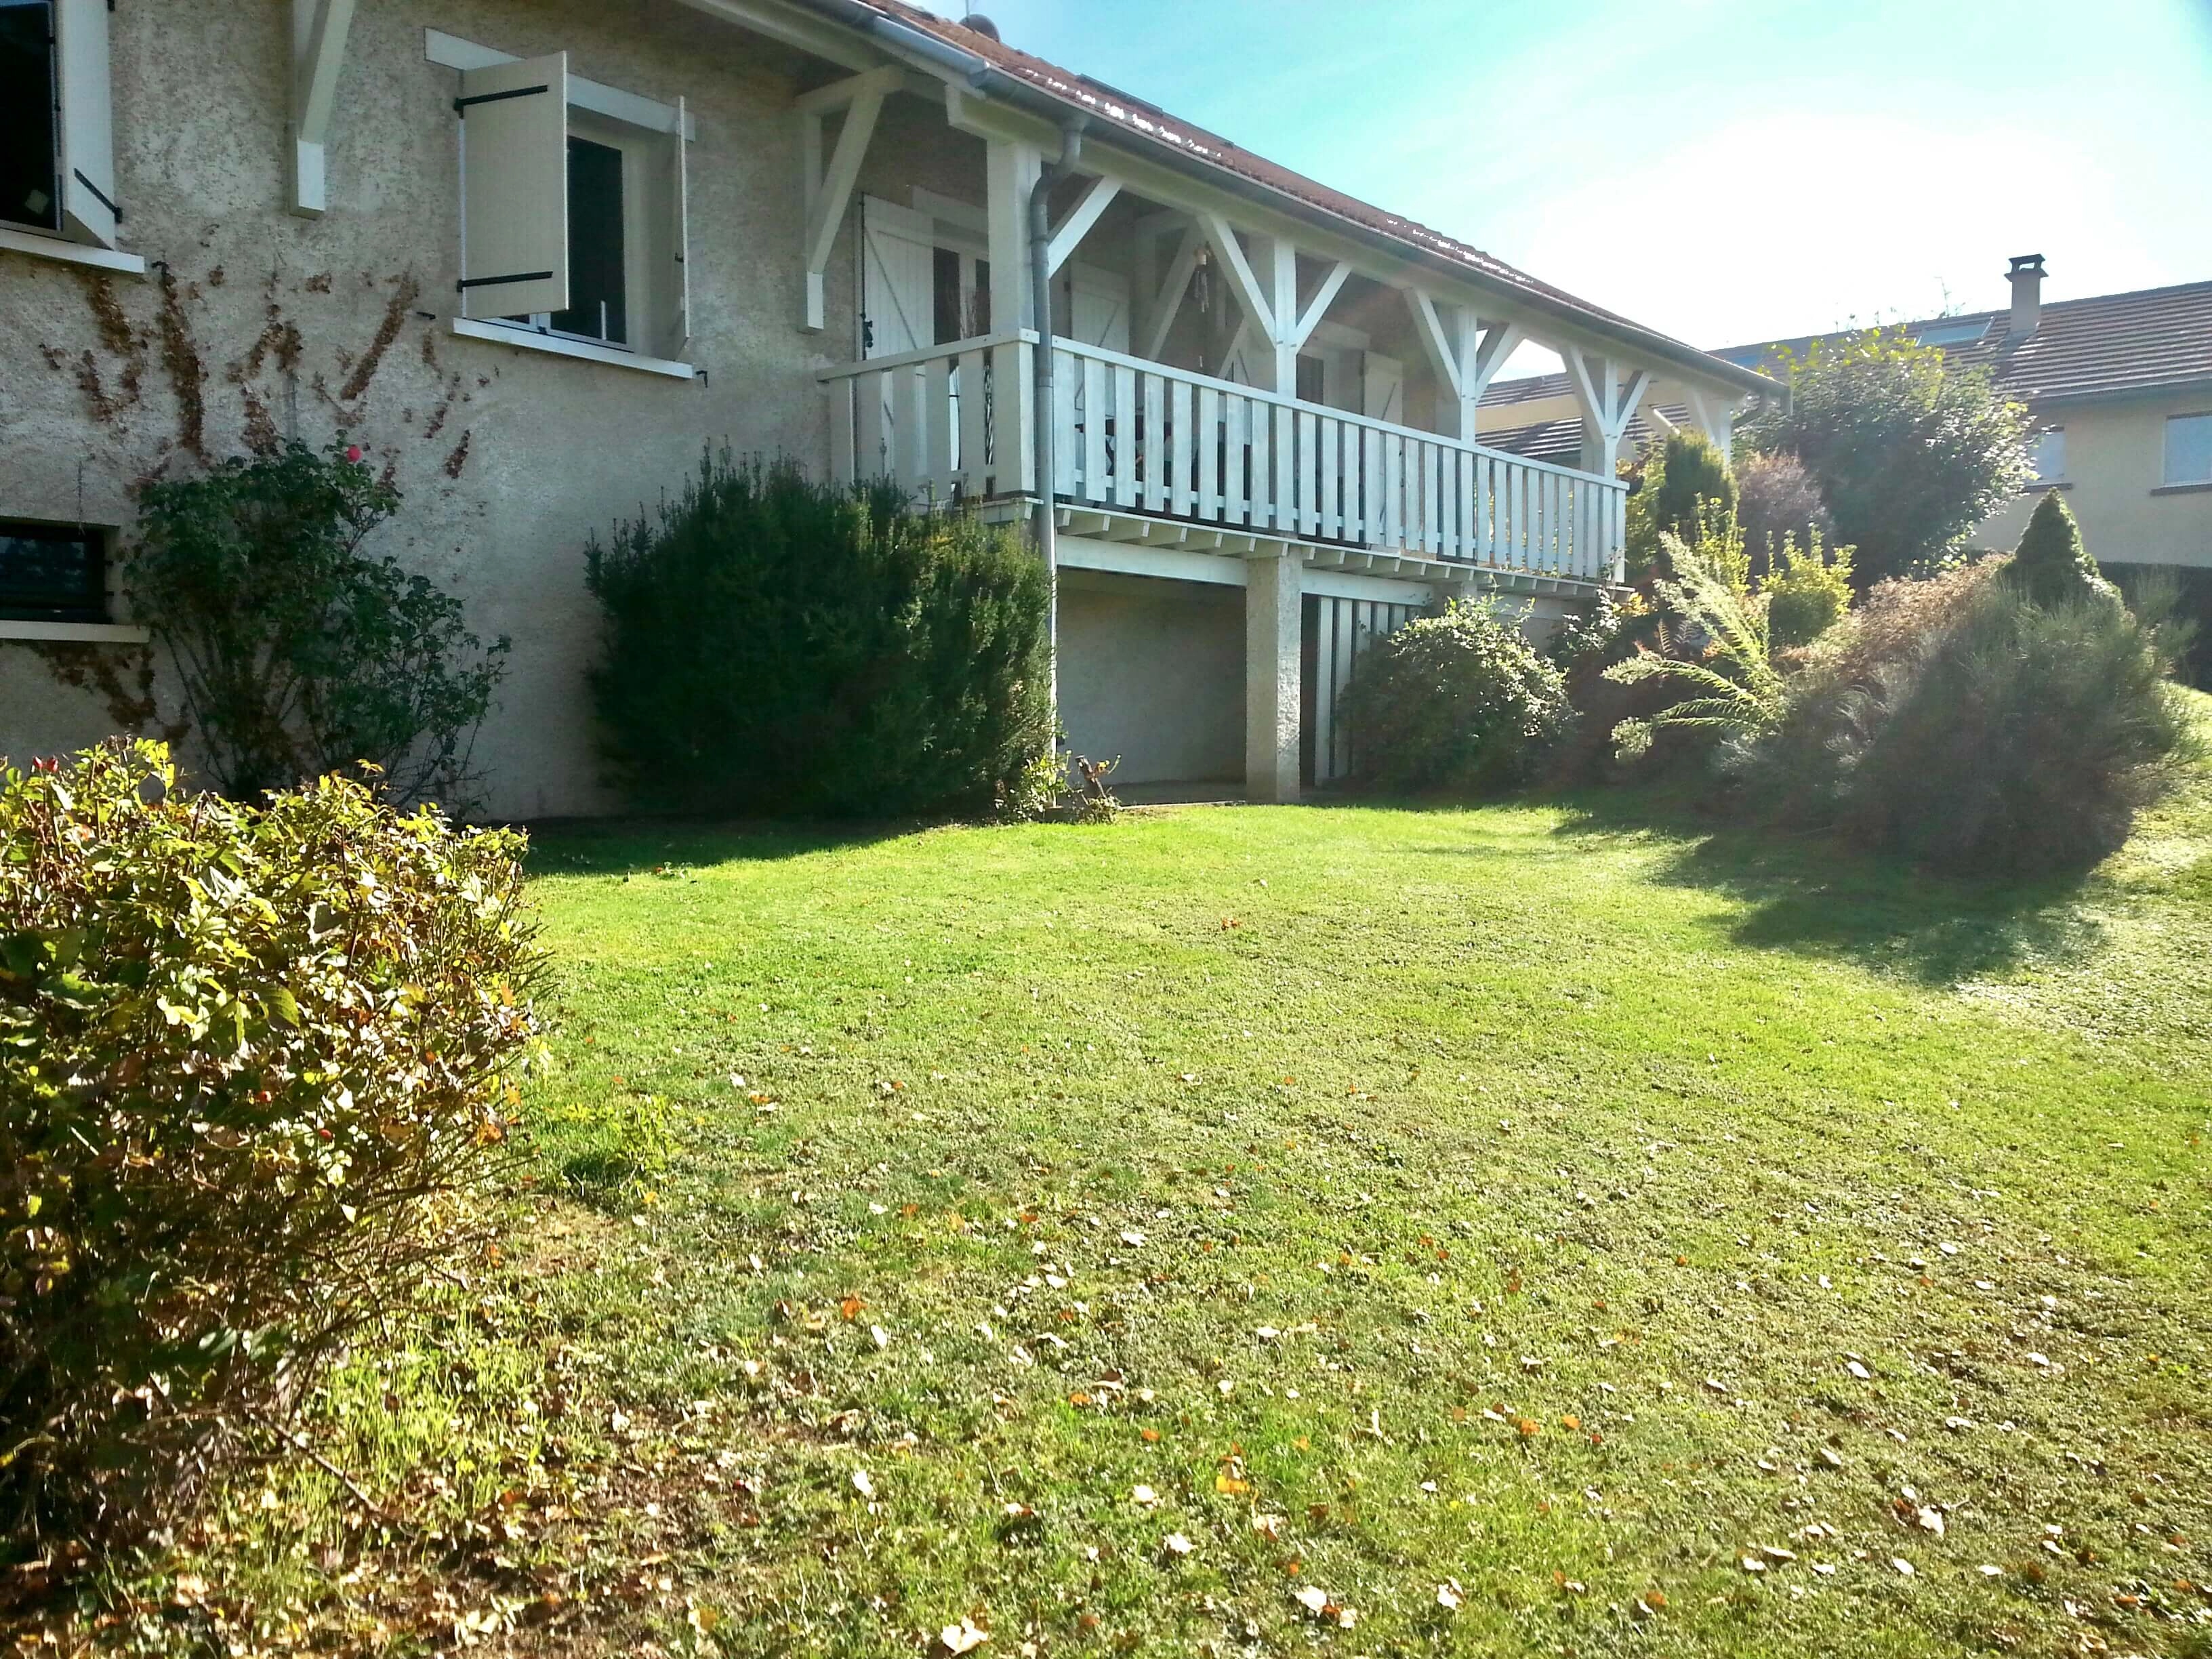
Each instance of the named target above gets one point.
<point>1010,173</point>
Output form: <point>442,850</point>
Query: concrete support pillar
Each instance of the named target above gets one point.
<point>1274,614</point>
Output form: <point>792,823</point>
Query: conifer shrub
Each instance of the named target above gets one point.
<point>2051,564</point>
<point>1684,484</point>
<point>778,645</point>
<point>254,1065</point>
<point>1456,702</point>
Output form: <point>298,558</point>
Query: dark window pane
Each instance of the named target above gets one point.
<point>29,191</point>
<point>979,303</point>
<point>944,273</point>
<point>51,573</point>
<point>1309,380</point>
<point>595,245</point>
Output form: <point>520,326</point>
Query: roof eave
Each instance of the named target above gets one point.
<point>928,52</point>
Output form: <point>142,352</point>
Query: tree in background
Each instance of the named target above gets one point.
<point>1909,451</point>
<point>1680,483</point>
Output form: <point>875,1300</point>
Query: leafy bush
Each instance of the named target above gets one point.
<point>1807,593</point>
<point>1778,500</point>
<point>1458,701</point>
<point>1910,453</point>
<point>299,653</point>
<point>778,645</point>
<point>2051,565</point>
<point>1713,648</point>
<point>1683,485</point>
<point>251,1063</point>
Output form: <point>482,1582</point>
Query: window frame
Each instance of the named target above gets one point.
<point>98,611</point>
<point>2167,477</point>
<point>642,305</point>
<point>2043,478</point>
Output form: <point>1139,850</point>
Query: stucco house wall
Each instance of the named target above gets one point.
<point>1154,671</point>
<point>2115,466</point>
<point>509,458</point>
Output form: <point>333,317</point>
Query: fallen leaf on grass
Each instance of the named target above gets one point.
<point>963,1638</point>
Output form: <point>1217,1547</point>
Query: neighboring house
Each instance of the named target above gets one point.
<point>536,254</point>
<point>2119,386</point>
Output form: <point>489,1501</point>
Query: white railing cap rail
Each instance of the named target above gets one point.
<point>1252,394</point>
<point>929,354</point>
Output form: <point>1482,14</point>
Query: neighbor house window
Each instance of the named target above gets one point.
<point>1943,334</point>
<point>2047,452</point>
<point>52,572</point>
<point>57,145</point>
<point>572,219</point>
<point>2188,449</point>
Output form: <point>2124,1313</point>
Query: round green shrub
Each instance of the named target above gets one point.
<point>253,1062</point>
<point>1806,593</point>
<point>1456,702</point>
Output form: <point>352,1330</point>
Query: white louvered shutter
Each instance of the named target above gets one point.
<point>514,187</point>
<point>88,121</point>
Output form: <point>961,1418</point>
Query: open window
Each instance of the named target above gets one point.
<point>573,221</point>
<point>57,120</point>
<point>52,572</point>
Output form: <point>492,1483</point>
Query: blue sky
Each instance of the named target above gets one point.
<point>1724,170</point>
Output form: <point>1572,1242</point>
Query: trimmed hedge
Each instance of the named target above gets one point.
<point>776,645</point>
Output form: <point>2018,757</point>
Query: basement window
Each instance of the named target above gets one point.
<point>52,572</point>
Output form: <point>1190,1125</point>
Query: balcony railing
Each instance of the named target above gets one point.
<point>1140,437</point>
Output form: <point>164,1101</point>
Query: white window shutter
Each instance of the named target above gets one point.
<point>514,187</point>
<point>679,327</point>
<point>88,121</point>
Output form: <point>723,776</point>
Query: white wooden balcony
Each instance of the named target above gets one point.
<point>1142,439</point>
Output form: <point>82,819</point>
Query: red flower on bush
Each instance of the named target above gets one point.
<point>353,451</point>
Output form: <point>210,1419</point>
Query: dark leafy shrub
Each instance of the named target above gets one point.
<point>1684,485</point>
<point>1455,701</point>
<point>1778,500</point>
<point>2008,737</point>
<point>2051,565</point>
<point>299,653</point>
<point>252,1064</point>
<point>778,645</point>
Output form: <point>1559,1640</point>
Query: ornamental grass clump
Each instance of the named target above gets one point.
<point>255,1065</point>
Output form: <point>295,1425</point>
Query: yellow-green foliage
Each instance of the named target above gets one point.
<point>1807,592</point>
<point>1683,480</point>
<point>250,1061</point>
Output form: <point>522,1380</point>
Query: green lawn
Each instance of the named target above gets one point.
<point>1651,1240</point>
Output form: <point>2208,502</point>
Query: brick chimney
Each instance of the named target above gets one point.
<point>2027,278</point>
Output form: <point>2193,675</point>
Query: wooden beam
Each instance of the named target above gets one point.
<point>1317,307</point>
<point>1069,233</point>
<point>839,94</point>
<point>1160,315</point>
<point>1238,270</point>
<point>1495,345</point>
<point>319,28</point>
<point>1443,351</point>
<point>828,197</point>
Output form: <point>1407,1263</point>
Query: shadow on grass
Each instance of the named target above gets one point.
<point>638,847</point>
<point>1816,895</point>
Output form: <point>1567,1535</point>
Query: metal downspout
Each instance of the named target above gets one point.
<point>1040,209</point>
